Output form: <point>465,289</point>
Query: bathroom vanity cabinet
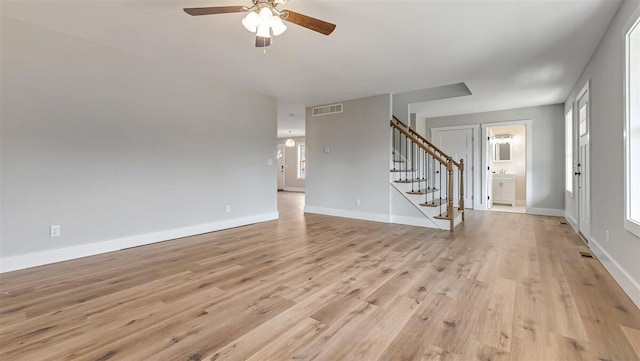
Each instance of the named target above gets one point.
<point>504,189</point>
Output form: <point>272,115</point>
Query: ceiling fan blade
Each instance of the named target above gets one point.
<point>310,23</point>
<point>213,10</point>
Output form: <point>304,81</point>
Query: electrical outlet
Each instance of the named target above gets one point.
<point>607,236</point>
<point>54,231</point>
<point>227,208</point>
<point>357,201</point>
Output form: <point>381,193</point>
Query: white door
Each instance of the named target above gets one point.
<point>458,143</point>
<point>489,184</point>
<point>281,166</point>
<point>583,166</point>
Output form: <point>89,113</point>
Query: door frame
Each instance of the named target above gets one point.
<point>528,187</point>
<point>475,164</point>
<point>582,169</point>
<point>284,162</point>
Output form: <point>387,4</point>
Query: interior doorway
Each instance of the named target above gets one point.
<point>280,156</point>
<point>458,142</point>
<point>506,166</point>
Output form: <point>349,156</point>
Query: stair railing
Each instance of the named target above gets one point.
<point>428,165</point>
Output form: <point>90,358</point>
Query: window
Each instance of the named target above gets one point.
<point>568,152</point>
<point>301,161</point>
<point>632,129</point>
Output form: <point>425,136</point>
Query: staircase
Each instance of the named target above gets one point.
<point>427,177</point>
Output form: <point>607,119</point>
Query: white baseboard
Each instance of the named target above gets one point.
<point>414,221</point>
<point>289,189</point>
<point>63,254</point>
<point>376,217</point>
<point>572,221</point>
<point>628,284</point>
<point>546,212</point>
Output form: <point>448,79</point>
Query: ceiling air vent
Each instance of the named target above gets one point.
<point>327,109</point>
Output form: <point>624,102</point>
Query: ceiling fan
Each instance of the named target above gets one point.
<point>265,20</point>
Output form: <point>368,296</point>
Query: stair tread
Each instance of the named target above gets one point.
<point>427,191</point>
<point>456,212</point>
<point>401,170</point>
<point>409,180</point>
<point>436,202</point>
<point>398,161</point>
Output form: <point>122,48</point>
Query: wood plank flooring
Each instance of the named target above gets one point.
<point>309,287</point>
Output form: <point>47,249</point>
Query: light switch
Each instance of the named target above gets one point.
<point>327,149</point>
<point>269,161</point>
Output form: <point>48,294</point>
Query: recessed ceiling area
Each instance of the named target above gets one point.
<point>402,102</point>
<point>510,53</point>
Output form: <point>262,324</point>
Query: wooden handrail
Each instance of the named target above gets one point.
<point>399,121</point>
<point>426,141</point>
<point>425,148</point>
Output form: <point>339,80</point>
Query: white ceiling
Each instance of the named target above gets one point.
<point>510,53</point>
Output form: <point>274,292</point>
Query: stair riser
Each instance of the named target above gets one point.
<point>416,200</point>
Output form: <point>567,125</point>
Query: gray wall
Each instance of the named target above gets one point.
<point>548,147</point>
<point>291,180</point>
<point>403,101</point>
<point>109,145</point>
<point>605,71</point>
<point>357,165</point>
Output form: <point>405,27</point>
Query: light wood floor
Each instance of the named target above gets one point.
<point>309,287</point>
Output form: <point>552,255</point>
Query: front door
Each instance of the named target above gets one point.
<point>281,166</point>
<point>583,168</point>
<point>458,143</point>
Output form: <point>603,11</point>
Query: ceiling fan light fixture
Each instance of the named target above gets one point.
<point>278,26</point>
<point>264,31</point>
<point>251,21</point>
<point>266,16</point>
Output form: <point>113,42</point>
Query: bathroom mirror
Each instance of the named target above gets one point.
<point>502,152</point>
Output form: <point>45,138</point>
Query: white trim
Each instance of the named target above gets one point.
<point>573,151</point>
<point>291,189</point>
<point>528,159</point>
<point>628,284</point>
<point>521,202</point>
<point>585,171</point>
<point>284,162</point>
<point>631,225</point>
<point>572,221</point>
<point>477,204</point>
<point>298,160</point>
<point>585,88</point>
<point>84,250</point>
<point>415,221</point>
<point>546,212</point>
<point>376,217</point>
<point>453,127</point>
